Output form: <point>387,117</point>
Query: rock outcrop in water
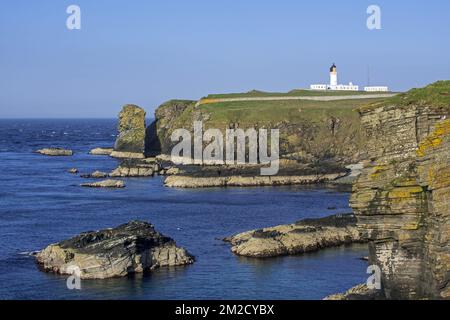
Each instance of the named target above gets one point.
<point>95,175</point>
<point>109,183</point>
<point>401,199</point>
<point>134,247</point>
<point>136,168</point>
<point>304,236</point>
<point>101,151</point>
<point>55,152</point>
<point>182,181</point>
<point>130,142</point>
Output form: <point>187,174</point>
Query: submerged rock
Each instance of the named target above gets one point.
<point>105,184</point>
<point>95,175</point>
<point>55,152</point>
<point>73,171</point>
<point>134,247</point>
<point>301,237</point>
<point>130,142</point>
<point>101,151</point>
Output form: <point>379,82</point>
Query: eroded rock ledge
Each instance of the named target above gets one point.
<point>129,248</point>
<point>304,236</point>
<point>290,172</point>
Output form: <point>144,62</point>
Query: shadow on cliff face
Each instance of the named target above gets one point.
<point>152,143</point>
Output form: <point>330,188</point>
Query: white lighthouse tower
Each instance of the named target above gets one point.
<point>333,85</point>
<point>333,76</point>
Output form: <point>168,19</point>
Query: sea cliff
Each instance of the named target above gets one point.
<point>401,198</point>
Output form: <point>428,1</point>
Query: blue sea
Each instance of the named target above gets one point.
<point>40,203</point>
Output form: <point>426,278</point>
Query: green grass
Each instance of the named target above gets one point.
<point>272,112</point>
<point>436,94</point>
<point>293,93</point>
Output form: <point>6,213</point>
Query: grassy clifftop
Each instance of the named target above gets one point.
<point>434,95</point>
<point>309,130</point>
<point>292,93</point>
<point>250,113</point>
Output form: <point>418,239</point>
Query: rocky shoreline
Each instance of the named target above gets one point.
<point>304,236</point>
<point>400,198</point>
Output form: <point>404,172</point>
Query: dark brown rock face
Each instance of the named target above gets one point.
<point>157,138</point>
<point>401,199</point>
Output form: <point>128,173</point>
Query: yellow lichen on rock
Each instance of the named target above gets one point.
<point>404,192</point>
<point>435,139</point>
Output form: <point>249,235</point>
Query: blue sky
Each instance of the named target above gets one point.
<point>146,52</point>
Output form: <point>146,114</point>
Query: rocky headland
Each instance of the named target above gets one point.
<point>304,236</point>
<point>134,247</point>
<point>318,139</point>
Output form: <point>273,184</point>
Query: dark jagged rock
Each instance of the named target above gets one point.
<point>95,175</point>
<point>158,133</point>
<point>129,248</point>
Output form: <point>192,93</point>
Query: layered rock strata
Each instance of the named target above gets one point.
<point>130,142</point>
<point>134,247</point>
<point>401,198</point>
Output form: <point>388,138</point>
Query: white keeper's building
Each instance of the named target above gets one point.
<point>333,85</point>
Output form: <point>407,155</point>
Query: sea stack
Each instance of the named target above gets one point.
<point>134,247</point>
<point>130,142</point>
